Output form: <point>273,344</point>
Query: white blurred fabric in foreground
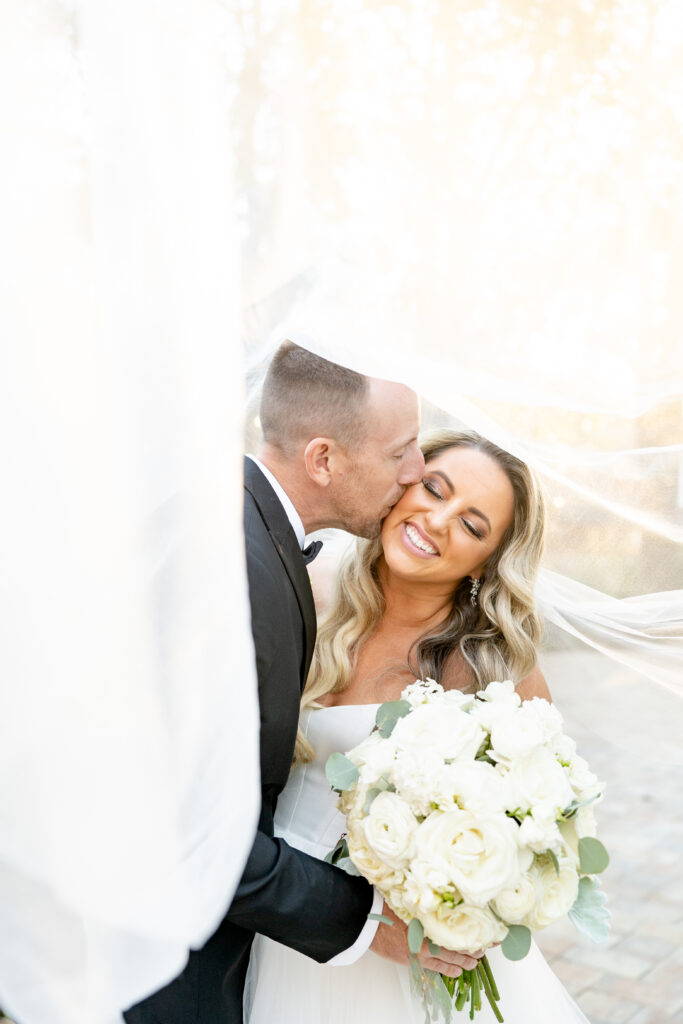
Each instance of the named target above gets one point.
<point>128,760</point>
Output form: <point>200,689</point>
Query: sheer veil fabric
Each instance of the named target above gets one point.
<point>479,199</point>
<point>127,691</point>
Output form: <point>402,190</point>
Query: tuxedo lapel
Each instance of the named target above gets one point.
<point>286,544</point>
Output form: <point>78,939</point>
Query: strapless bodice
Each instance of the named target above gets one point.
<point>307,815</point>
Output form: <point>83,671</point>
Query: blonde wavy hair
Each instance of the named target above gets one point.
<point>496,638</point>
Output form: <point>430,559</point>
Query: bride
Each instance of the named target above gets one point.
<point>445,592</point>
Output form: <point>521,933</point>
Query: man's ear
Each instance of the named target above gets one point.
<point>318,455</point>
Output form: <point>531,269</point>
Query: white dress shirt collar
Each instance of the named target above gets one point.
<point>285,501</point>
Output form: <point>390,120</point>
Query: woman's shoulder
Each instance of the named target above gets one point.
<point>533,685</point>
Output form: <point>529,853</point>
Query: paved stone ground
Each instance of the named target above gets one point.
<point>632,735</point>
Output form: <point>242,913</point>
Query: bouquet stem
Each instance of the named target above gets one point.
<point>470,985</point>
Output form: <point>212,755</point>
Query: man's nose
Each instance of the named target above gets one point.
<point>413,468</point>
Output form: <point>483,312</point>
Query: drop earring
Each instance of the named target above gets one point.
<point>474,590</point>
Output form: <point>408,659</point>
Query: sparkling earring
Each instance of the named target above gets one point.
<point>474,590</point>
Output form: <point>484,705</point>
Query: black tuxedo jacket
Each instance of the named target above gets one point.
<point>284,894</point>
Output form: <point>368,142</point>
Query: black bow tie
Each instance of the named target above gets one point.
<point>311,551</point>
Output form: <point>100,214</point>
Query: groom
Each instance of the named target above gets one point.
<point>339,450</point>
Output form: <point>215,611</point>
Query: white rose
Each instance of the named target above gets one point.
<point>368,863</point>
<point>556,892</point>
<point>473,785</point>
<point>515,903</point>
<point>498,701</point>
<point>478,854</point>
<point>390,829</point>
<point>446,730</point>
<point>463,928</point>
<point>537,779</point>
<point>413,774</point>
<point>374,758</point>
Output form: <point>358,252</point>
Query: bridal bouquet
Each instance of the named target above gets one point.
<point>473,816</point>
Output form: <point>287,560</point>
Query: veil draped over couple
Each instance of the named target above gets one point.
<point>439,584</point>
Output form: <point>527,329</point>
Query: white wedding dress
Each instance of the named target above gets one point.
<point>284,987</point>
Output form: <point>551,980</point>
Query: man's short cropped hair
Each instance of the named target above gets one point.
<point>306,396</point>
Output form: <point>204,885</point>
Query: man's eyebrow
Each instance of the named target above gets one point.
<point>449,484</point>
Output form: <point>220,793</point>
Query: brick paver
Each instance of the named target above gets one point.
<point>632,735</point>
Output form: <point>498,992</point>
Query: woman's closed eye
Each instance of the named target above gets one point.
<point>472,529</point>
<point>433,488</point>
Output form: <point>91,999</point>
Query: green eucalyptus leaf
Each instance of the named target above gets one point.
<point>589,913</point>
<point>593,857</point>
<point>382,918</point>
<point>347,865</point>
<point>416,934</point>
<point>340,850</point>
<point>433,948</point>
<point>372,793</point>
<point>556,863</point>
<point>341,773</point>
<point>517,942</point>
<point>388,715</point>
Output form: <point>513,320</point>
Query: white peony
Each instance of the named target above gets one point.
<point>556,892</point>
<point>546,715</point>
<point>463,928</point>
<point>421,692</point>
<point>413,774</point>
<point>446,730</point>
<point>537,779</point>
<point>478,854</point>
<point>583,781</point>
<point>539,830</point>
<point>514,904</point>
<point>518,735</point>
<point>498,701</point>
<point>390,829</point>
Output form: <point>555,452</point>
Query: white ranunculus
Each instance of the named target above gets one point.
<point>537,779</point>
<point>418,894</point>
<point>514,904</point>
<point>446,730</point>
<point>473,785</point>
<point>556,892</point>
<point>374,757</point>
<point>390,829</point>
<point>368,863</point>
<point>463,928</point>
<point>427,874</point>
<point>478,853</point>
